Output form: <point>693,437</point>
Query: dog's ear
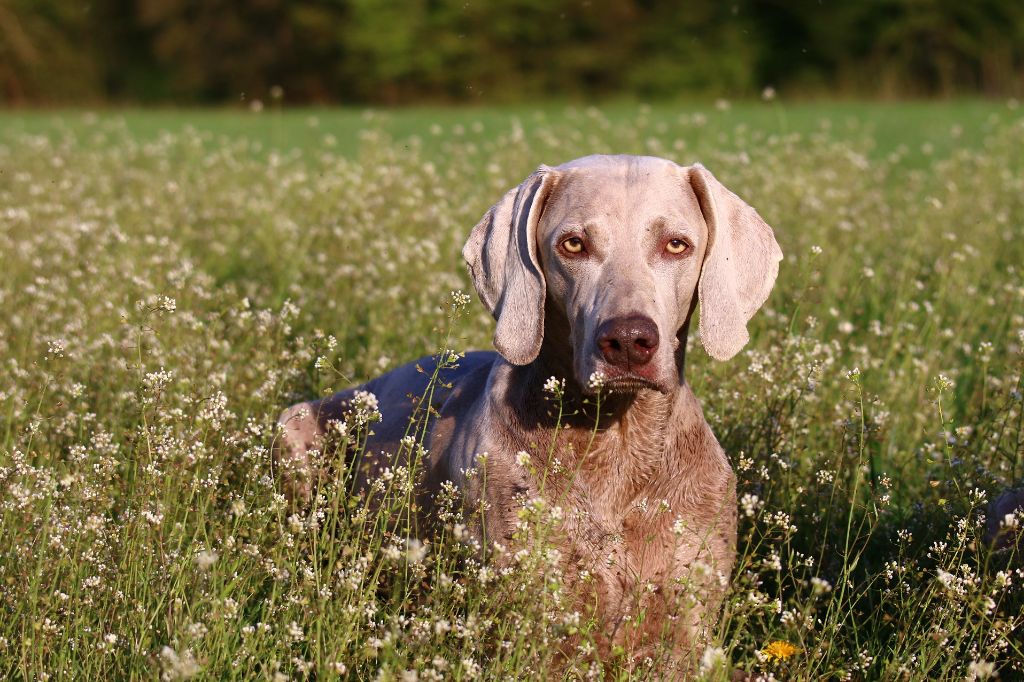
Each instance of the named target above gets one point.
<point>741,262</point>
<point>502,256</point>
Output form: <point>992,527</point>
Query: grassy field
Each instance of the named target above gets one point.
<point>170,280</point>
<point>881,127</point>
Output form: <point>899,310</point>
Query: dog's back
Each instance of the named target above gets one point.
<point>401,394</point>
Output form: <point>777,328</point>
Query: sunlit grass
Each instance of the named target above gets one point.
<point>165,294</point>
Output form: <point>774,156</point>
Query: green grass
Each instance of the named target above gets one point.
<point>891,126</point>
<point>171,279</point>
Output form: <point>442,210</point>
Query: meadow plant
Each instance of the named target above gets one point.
<point>165,296</point>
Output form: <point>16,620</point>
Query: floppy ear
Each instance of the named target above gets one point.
<point>502,256</point>
<point>741,262</point>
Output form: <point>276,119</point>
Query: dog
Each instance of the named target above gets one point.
<point>592,270</point>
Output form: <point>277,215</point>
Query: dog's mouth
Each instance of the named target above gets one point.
<point>629,383</point>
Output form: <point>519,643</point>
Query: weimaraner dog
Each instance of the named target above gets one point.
<point>592,270</point>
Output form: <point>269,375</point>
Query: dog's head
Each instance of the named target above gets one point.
<point>621,246</point>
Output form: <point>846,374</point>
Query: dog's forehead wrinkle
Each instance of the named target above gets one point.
<point>610,197</point>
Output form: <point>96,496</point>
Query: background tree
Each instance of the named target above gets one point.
<point>219,51</point>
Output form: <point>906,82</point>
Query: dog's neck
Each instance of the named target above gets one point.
<point>635,441</point>
<point>593,416</point>
<point>637,431</point>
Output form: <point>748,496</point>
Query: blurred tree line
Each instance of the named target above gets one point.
<point>398,51</point>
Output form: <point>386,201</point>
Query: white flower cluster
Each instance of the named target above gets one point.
<point>555,387</point>
<point>364,409</point>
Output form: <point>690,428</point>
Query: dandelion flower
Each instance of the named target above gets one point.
<point>779,650</point>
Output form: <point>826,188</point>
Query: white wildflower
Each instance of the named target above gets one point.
<point>750,504</point>
<point>981,670</point>
<point>460,300</point>
<point>415,551</point>
<point>364,408</point>
<point>205,559</point>
<point>556,387</point>
<point>943,383</point>
<point>56,348</point>
<point>178,666</point>
<point>820,586</point>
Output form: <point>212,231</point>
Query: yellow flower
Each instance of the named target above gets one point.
<point>779,650</point>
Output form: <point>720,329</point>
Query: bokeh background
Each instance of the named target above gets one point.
<point>210,210</point>
<point>186,52</point>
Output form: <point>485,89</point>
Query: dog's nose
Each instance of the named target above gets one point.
<point>628,341</point>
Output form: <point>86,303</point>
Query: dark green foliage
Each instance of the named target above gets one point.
<point>182,51</point>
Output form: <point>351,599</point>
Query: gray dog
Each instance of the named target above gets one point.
<point>592,270</point>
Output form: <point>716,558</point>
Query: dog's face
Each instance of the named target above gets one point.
<point>621,246</point>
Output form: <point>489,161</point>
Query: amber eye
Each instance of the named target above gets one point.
<point>675,246</point>
<point>573,245</point>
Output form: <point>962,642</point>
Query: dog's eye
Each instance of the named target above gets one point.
<point>573,245</point>
<point>675,246</point>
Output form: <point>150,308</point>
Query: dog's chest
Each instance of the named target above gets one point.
<point>643,519</point>
<point>616,514</point>
<point>627,565</point>
<point>634,546</point>
<point>637,503</point>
